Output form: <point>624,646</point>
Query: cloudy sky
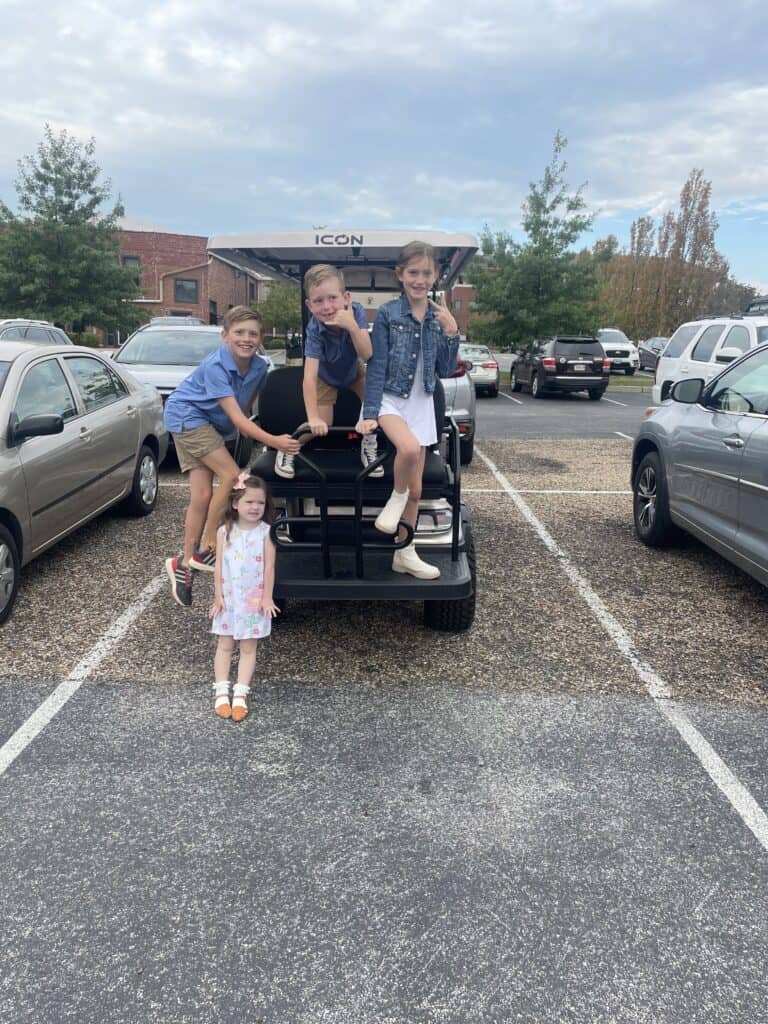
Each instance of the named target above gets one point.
<point>223,117</point>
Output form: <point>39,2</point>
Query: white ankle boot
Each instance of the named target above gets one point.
<point>406,560</point>
<point>389,517</point>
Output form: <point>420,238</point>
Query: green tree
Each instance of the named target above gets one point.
<point>59,254</point>
<point>282,308</point>
<point>541,286</point>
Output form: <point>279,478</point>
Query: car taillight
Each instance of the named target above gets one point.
<point>463,428</point>
<point>606,365</point>
<point>490,366</point>
<point>461,369</point>
<point>549,363</point>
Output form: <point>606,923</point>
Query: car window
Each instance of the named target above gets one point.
<point>737,337</point>
<point>613,337</point>
<point>680,339</point>
<point>474,352</point>
<point>577,346</point>
<point>744,388</point>
<point>12,333</point>
<point>4,367</point>
<point>34,333</point>
<point>762,335</point>
<point>59,337</point>
<point>95,383</point>
<point>45,390</point>
<point>169,348</point>
<point>705,346</point>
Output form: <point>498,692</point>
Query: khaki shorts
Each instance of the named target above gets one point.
<point>327,393</point>
<point>193,445</point>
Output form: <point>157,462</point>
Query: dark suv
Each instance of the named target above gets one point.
<point>562,363</point>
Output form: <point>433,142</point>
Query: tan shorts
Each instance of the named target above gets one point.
<point>193,445</point>
<point>327,393</point>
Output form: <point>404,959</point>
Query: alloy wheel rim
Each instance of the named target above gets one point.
<point>148,480</point>
<point>646,498</point>
<point>7,576</point>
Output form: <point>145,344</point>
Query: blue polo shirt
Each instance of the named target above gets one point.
<point>336,353</point>
<point>195,401</point>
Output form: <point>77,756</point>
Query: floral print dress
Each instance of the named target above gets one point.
<point>242,584</point>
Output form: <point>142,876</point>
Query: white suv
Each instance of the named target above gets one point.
<point>701,348</point>
<point>619,349</point>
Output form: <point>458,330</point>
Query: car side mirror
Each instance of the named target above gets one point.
<point>687,391</point>
<point>728,354</point>
<point>34,426</point>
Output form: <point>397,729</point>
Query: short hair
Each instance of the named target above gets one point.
<point>415,251</point>
<point>237,314</point>
<point>322,272</point>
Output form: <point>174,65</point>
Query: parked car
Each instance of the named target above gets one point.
<point>649,352</point>
<point>485,369</point>
<point>619,349</point>
<point>700,464</point>
<point>164,354</point>
<point>700,348</point>
<point>77,435</point>
<point>19,329</point>
<point>563,363</point>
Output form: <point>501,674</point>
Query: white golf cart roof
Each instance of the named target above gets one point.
<point>367,257</point>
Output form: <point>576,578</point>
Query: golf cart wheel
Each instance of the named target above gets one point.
<point>466,451</point>
<point>455,616</point>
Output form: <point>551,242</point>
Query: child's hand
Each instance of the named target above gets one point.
<point>343,318</point>
<point>286,443</point>
<point>444,316</point>
<point>268,607</point>
<point>318,427</point>
<point>367,426</point>
<point>217,607</point>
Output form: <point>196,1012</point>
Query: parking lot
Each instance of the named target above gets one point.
<point>558,816</point>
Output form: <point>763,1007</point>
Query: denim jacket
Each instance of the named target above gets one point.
<point>396,338</point>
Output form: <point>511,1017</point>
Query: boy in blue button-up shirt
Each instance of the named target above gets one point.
<point>208,405</point>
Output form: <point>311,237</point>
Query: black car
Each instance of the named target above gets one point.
<point>562,363</point>
<point>649,352</point>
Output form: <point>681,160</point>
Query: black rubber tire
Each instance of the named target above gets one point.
<point>466,451</point>
<point>514,383</point>
<point>493,392</point>
<point>244,452</point>
<point>455,616</point>
<point>650,504</point>
<point>536,388</point>
<point>630,372</point>
<point>10,572</point>
<point>143,497</point>
<point>596,394</point>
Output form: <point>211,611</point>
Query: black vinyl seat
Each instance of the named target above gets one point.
<point>281,411</point>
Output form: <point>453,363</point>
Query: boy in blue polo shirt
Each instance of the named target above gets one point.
<point>337,347</point>
<point>208,405</point>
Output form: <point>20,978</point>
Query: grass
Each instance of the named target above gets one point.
<point>618,380</point>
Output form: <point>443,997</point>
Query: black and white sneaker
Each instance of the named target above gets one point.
<point>203,561</point>
<point>284,465</point>
<point>369,452</point>
<point>181,581</point>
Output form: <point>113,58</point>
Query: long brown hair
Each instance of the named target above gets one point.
<point>254,483</point>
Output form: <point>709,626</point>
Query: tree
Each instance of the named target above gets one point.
<point>282,308</point>
<point>541,286</point>
<point>59,255</point>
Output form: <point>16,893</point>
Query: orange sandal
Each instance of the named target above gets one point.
<point>239,704</point>
<point>221,705</point>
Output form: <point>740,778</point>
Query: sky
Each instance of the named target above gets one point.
<point>221,118</point>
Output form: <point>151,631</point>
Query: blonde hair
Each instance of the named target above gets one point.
<point>415,251</point>
<point>322,272</point>
<point>238,314</point>
<point>254,483</point>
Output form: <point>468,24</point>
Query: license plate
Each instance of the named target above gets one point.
<point>579,367</point>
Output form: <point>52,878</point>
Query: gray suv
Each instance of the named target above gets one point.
<point>19,329</point>
<point>699,464</point>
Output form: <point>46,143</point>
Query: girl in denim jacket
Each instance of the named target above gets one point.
<point>413,338</point>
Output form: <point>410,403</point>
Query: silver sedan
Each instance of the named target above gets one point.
<point>77,435</point>
<point>700,464</point>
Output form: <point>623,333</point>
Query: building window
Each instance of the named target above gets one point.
<point>457,304</point>
<point>133,263</point>
<point>251,291</point>
<point>185,289</point>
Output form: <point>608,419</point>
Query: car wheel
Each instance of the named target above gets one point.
<point>596,394</point>
<point>455,616</point>
<point>466,450</point>
<point>650,504</point>
<point>536,389</point>
<point>514,383</point>
<point>143,497</point>
<point>493,392</point>
<point>10,569</point>
<point>630,371</point>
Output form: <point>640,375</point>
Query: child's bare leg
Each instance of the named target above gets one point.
<point>200,490</point>
<point>414,493</point>
<point>245,669</point>
<point>409,451</point>
<point>222,660</point>
<point>227,470</point>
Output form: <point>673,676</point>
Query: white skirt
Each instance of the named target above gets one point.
<point>417,410</point>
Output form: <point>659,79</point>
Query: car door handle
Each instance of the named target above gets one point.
<point>85,434</point>
<point>131,410</point>
<point>733,442</point>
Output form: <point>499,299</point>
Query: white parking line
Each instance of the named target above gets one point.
<point>38,720</point>
<point>614,402</point>
<point>742,801</point>
<point>626,436</point>
<point>516,400</point>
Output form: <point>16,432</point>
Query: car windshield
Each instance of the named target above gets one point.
<point>4,367</point>
<point>169,348</point>
<point>613,337</point>
<point>474,352</point>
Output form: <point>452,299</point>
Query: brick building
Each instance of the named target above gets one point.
<point>458,299</point>
<point>179,277</point>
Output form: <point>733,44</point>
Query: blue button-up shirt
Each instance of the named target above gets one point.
<point>335,352</point>
<point>195,401</point>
